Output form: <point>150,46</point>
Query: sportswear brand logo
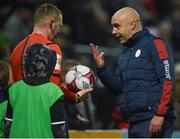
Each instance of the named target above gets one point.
<point>58,62</point>
<point>85,85</point>
<point>138,52</point>
<point>166,67</point>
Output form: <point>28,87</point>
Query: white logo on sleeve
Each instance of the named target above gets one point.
<point>58,62</point>
<point>166,67</point>
<point>138,53</point>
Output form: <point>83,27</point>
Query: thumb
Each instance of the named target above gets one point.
<point>86,91</point>
<point>102,54</point>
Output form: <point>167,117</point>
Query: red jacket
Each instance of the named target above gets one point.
<point>16,61</point>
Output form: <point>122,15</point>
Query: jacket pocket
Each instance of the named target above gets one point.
<point>139,102</point>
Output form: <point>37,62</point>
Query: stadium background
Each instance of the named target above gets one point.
<point>88,21</point>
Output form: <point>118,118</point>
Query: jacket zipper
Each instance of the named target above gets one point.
<point>129,57</point>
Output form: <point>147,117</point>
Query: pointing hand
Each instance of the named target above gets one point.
<point>97,55</point>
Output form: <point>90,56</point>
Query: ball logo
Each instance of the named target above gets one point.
<point>85,85</point>
<point>138,53</point>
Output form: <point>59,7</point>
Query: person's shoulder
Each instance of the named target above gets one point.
<point>19,45</point>
<point>42,39</point>
<point>53,46</point>
<point>18,83</point>
<point>54,87</point>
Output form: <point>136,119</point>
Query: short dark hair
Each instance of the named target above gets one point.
<point>47,10</point>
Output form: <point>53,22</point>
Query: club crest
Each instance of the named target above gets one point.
<point>138,53</point>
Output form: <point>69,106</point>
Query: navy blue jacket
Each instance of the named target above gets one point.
<point>144,77</point>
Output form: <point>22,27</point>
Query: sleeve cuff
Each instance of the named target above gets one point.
<point>101,69</point>
<point>160,114</point>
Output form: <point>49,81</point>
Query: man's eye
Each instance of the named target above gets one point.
<point>117,26</point>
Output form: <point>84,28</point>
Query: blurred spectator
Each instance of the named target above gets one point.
<point>165,30</point>
<point>176,28</point>
<point>88,20</point>
<point>164,7</point>
<point>5,10</point>
<point>118,119</point>
<point>63,40</point>
<point>5,44</point>
<point>151,7</point>
<point>140,6</point>
<point>5,82</point>
<point>19,24</point>
<point>177,96</point>
<point>105,103</point>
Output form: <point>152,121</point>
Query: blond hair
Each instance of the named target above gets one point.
<point>47,11</point>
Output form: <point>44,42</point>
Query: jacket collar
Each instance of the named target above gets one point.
<point>136,37</point>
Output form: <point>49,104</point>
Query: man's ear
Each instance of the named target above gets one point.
<point>133,25</point>
<point>51,22</point>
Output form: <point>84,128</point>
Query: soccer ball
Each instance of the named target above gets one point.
<point>79,77</point>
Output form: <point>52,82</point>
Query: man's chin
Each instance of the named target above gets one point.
<point>122,41</point>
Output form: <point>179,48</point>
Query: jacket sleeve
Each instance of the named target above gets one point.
<point>69,95</point>
<point>8,120</point>
<point>111,81</point>
<point>162,59</point>
<point>59,120</point>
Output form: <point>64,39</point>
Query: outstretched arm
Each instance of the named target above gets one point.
<point>75,97</point>
<point>111,81</point>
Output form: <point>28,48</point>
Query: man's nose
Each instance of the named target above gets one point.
<point>113,31</point>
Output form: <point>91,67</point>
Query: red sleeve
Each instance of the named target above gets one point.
<point>68,94</point>
<point>59,55</point>
<point>163,67</point>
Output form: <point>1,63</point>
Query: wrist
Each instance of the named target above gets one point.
<point>160,115</point>
<point>99,69</point>
<point>100,66</point>
<point>77,99</point>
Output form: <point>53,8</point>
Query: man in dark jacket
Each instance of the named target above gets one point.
<point>144,75</point>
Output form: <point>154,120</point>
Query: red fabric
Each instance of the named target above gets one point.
<point>123,125</point>
<point>151,7</point>
<point>116,114</point>
<point>15,60</point>
<point>68,94</point>
<point>165,98</point>
<point>161,48</point>
<point>119,119</point>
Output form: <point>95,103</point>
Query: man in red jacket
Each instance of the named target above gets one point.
<point>47,24</point>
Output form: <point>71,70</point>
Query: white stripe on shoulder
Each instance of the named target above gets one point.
<point>8,119</point>
<point>58,123</point>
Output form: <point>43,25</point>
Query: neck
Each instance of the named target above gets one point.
<point>40,30</point>
<point>138,29</point>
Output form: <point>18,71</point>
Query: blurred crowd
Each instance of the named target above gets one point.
<point>88,21</point>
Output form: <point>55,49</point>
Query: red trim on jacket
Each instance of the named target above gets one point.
<point>161,48</point>
<point>165,98</point>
